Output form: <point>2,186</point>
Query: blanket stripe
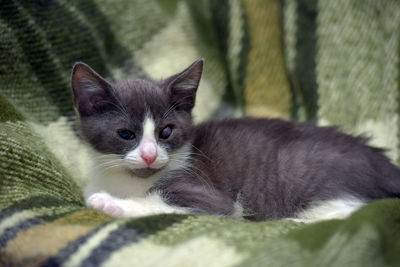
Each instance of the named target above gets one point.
<point>11,232</point>
<point>115,240</point>
<point>306,49</point>
<point>81,248</point>
<point>19,221</point>
<point>265,64</point>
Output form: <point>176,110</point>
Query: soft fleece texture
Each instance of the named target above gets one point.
<point>332,62</point>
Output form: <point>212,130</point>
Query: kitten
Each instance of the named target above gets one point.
<point>151,159</point>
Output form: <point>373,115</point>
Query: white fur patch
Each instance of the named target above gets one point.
<point>238,211</point>
<point>148,127</point>
<point>134,159</point>
<point>332,209</point>
<point>131,207</point>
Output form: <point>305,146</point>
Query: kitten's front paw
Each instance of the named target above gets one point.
<point>105,203</point>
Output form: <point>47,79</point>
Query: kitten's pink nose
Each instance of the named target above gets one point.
<point>148,151</point>
<point>149,159</point>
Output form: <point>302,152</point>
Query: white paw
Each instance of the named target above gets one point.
<point>106,203</point>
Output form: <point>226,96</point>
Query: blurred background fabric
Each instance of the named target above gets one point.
<point>329,62</point>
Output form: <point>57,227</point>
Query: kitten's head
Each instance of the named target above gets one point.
<point>141,122</point>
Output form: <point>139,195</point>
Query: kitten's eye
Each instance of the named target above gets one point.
<point>166,132</point>
<point>126,134</point>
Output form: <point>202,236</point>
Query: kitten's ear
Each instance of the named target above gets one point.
<point>183,86</point>
<point>92,93</point>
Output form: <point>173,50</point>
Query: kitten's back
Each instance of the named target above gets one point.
<point>280,168</point>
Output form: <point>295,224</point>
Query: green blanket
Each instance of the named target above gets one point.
<point>331,62</point>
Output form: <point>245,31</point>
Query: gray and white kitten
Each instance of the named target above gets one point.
<point>153,160</point>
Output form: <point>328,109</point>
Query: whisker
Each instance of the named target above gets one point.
<point>105,163</point>
<point>108,159</point>
<point>201,175</point>
<point>170,109</point>
<point>113,166</point>
<point>108,156</point>
<point>201,152</point>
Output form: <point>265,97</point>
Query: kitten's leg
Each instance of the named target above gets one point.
<point>199,198</point>
<point>174,196</point>
<point>131,207</point>
<point>330,209</point>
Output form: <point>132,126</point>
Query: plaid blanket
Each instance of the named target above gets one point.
<point>332,62</point>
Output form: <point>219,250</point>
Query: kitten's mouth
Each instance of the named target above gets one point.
<point>144,172</point>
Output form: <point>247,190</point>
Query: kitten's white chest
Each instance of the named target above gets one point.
<point>119,183</point>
